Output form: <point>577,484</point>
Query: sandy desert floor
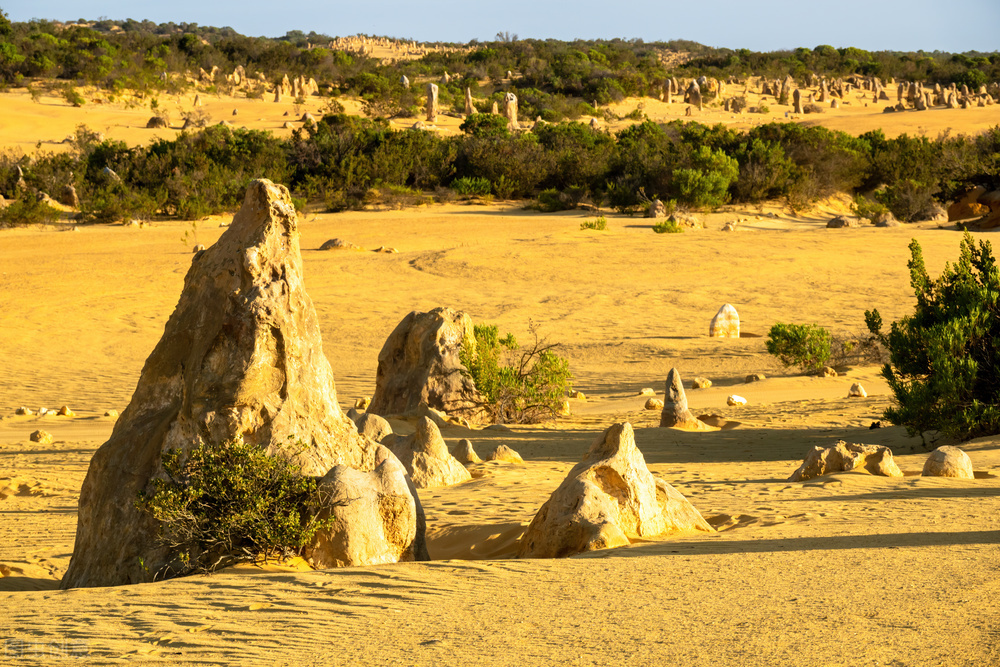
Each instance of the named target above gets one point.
<point>848,569</point>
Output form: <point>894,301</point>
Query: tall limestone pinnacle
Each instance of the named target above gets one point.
<point>240,357</point>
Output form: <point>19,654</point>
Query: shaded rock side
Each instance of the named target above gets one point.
<point>948,461</point>
<point>419,363</point>
<point>373,427</point>
<point>675,413</point>
<point>846,456</point>
<point>607,500</point>
<point>241,356</point>
<point>377,517</point>
<point>426,457</point>
<point>465,453</point>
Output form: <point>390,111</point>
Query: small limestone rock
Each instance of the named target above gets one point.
<point>339,244</point>
<point>111,413</point>
<point>437,416</point>
<point>701,383</point>
<point>498,427</point>
<point>843,221</point>
<point>373,427</point>
<point>653,404</point>
<point>198,248</point>
<point>377,518</point>
<point>647,391</point>
<point>64,411</point>
<point>829,372</point>
<point>41,437</point>
<point>505,453</point>
<point>846,456</point>
<point>578,395</point>
<point>725,324</point>
<point>363,403</point>
<point>607,500</point>
<point>565,410</point>
<point>733,400</point>
<point>948,461</point>
<point>675,413</point>
<point>857,391</point>
<point>385,249</point>
<point>464,452</point>
<point>24,411</point>
<point>755,377</point>
<point>427,459</point>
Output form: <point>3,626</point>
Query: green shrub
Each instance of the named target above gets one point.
<point>472,186</point>
<point>803,345</point>
<point>667,226</point>
<point>944,368</point>
<point>72,96</point>
<point>706,182</point>
<point>519,385</point>
<point>229,502</point>
<point>28,210</point>
<point>551,200</point>
<point>485,126</point>
<point>868,209</point>
<point>599,224</point>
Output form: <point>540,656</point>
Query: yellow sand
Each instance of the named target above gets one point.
<point>845,570</point>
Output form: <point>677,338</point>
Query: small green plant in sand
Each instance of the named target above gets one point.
<point>519,385</point>
<point>73,96</point>
<point>229,502</point>
<point>667,227</point>
<point>804,345</point>
<point>599,224</point>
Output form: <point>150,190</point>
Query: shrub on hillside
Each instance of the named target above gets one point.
<point>943,366</point>
<point>804,345</point>
<point>519,385</point>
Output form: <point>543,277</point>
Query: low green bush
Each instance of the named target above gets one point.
<point>667,227</point>
<point>28,210</point>
<point>519,385</point>
<point>229,502</point>
<point>599,224</point>
<point>804,345</point>
<point>472,186</point>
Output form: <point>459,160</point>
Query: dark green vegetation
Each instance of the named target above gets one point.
<point>352,162</point>
<point>944,359</point>
<point>227,503</point>
<point>804,345</point>
<point>520,385</point>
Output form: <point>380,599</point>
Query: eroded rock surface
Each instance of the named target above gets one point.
<point>427,459</point>
<point>420,363</point>
<point>240,357</point>
<point>377,517</point>
<point>948,461</point>
<point>675,413</point>
<point>846,456</point>
<point>607,500</point>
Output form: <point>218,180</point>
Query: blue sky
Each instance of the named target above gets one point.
<point>763,25</point>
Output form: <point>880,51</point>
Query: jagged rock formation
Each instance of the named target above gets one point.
<point>420,363</point>
<point>607,500</point>
<point>377,517</point>
<point>240,357</point>
<point>432,102</point>
<point>427,459</point>
<point>506,454</point>
<point>845,456</point>
<point>675,413</point>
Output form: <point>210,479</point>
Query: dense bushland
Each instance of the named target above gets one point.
<point>351,162</point>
